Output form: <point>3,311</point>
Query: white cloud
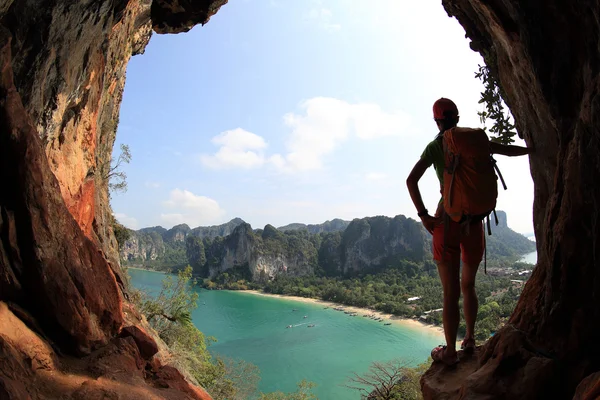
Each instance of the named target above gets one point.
<point>191,209</point>
<point>376,176</point>
<point>326,122</point>
<point>322,17</point>
<point>126,220</point>
<point>322,124</point>
<point>152,185</point>
<point>238,149</point>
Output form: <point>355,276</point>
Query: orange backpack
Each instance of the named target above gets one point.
<point>470,185</point>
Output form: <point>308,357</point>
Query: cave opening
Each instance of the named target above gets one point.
<point>221,149</point>
<point>61,86</point>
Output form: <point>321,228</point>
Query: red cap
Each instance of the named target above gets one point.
<point>444,108</point>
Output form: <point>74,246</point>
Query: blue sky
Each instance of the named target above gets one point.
<point>281,111</point>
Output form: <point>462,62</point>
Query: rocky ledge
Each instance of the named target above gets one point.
<point>125,369</point>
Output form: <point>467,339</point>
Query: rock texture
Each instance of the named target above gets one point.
<point>445,383</point>
<point>167,246</point>
<point>62,76</point>
<point>547,57</point>
<point>366,244</point>
<point>47,263</point>
<point>30,369</point>
<point>264,256</point>
<point>335,225</point>
<point>377,242</point>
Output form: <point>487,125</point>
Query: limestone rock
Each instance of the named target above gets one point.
<point>181,16</point>
<point>146,345</point>
<point>48,260</point>
<point>444,383</point>
<point>169,377</point>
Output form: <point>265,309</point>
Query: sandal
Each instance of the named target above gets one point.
<point>468,345</point>
<point>438,355</point>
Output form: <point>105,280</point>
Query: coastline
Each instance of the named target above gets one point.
<point>394,319</point>
<point>142,269</point>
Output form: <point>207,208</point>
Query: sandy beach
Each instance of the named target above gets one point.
<point>407,322</point>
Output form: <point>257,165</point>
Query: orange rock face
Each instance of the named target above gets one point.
<point>30,369</point>
<point>49,266</point>
<point>62,73</point>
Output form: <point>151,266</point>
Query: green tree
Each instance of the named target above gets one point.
<point>304,392</point>
<point>392,380</point>
<point>120,231</point>
<point>502,127</point>
<point>117,178</point>
<point>173,305</point>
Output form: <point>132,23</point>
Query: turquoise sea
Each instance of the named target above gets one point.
<point>253,328</point>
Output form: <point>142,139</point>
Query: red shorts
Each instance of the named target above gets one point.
<point>470,244</point>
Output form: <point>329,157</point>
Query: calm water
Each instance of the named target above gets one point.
<point>530,258</point>
<point>253,328</point>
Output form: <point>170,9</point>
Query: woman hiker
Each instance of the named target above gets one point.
<point>448,255</point>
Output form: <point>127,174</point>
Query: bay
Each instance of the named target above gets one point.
<point>253,328</point>
<point>530,258</point>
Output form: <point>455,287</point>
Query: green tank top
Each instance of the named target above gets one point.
<point>434,154</point>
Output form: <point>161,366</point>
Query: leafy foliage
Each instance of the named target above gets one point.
<point>172,307</point>
<point>304,392</point>
<point>117,178</point>
<point>122,234</point>
<point>502,127</point>
<point>392,380</point>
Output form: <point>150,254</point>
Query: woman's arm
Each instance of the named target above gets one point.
<point>412,182</point>
<point>509,150</point>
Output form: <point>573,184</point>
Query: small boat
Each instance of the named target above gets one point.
<point>311,325</point>
<point>295,309</point>
<point>289,326</point>
<point>388,323</point>
<point>306,316</point>
<point>325,308</point>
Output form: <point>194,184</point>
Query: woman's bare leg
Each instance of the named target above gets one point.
<point>470,301</point>
<point>449,275</point>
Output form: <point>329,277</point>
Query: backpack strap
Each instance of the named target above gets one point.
<point>451,168</point>
<point>446,223</point>
<point>484,250</point>
<point>499,174</point>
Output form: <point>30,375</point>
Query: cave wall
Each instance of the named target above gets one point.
<point>547,56</point>
<point>63,75</point>
<point>69,64</point>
